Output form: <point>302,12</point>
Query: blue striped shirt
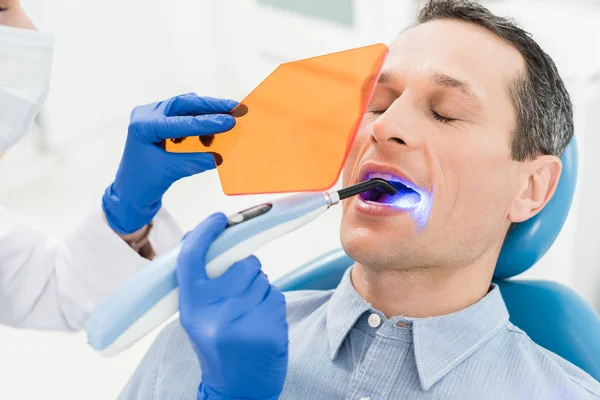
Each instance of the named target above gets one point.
<point>342,348</point>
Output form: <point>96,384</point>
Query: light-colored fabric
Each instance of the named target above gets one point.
<point>340,350</point>
<point>54,286</point>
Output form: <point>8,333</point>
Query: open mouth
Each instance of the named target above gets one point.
<point>405,198</point>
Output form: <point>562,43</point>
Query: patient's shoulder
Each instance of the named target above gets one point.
<point>549,366</point>
<point>303,303</point>
<point>296,297</point>
<point>169,370</point>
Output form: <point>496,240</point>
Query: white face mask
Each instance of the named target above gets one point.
<point>25,66</point>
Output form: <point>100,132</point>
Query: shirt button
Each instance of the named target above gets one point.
<point>365,398</point>
<point>374,322</point>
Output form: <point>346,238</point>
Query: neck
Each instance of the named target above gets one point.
<point>423,292</point>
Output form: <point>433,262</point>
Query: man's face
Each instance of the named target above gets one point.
<point>441,119</point>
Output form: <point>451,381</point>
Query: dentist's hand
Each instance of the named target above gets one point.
<point>236,322</point>
<point>146,170</point>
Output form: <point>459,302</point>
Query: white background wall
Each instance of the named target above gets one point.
<point>112,55</point>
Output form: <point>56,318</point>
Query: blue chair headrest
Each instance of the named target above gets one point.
<point>529,240</point>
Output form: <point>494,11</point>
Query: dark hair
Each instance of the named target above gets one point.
<point>544,115</point>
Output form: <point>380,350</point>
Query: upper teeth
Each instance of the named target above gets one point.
<point>386,177</point>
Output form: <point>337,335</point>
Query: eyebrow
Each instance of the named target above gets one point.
<point>447,81</point>
<point>439,79</point>
<point>385,77</point>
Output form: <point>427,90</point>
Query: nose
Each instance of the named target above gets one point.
<point>397,127</point>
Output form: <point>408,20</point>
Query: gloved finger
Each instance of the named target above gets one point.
<point>192,104</point>
<point>183,165</point>
<point>205,297</point>
<point>191,260</point>
<point>234,282</point>
<point>179,127</point>
<point>236,307</point>
<point>273,302</point>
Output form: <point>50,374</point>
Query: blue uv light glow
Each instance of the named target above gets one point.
<point>410,198</point>
<point>420,211</point>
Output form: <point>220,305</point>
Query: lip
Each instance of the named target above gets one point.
<point>376,210</point>
<point>372,167</point>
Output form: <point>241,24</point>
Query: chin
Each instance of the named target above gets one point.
<point>371,248</point>
<point>378,240</point>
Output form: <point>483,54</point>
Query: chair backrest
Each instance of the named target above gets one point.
<point>554,316</point>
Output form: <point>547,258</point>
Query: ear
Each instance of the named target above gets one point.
<point>539,181</point>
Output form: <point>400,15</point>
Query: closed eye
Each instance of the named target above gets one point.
<point>441,118</point>
<point>435,114</point>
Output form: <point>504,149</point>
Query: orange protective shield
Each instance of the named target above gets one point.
<point>294,131</point>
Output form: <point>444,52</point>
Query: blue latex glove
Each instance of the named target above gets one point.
<point>236,322</point>
<point>146,170</point>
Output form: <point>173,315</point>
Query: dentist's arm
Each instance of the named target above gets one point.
<point>236,323</point>
<point>54,286</point>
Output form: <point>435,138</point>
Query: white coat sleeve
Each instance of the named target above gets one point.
<point>54,286</point>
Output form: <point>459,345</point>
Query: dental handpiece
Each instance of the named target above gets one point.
<point>151,296</point>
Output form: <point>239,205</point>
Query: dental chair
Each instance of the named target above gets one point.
<point>553,315</point>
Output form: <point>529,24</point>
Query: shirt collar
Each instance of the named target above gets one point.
<point>440,343</point>
<point>344,309</point>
